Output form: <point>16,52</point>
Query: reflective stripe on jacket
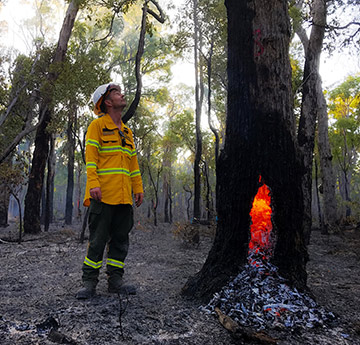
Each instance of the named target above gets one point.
<point>111,162</point>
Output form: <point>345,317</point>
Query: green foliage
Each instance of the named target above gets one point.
<point>296,78</point>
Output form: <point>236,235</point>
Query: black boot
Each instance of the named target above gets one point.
<point>87,291</point>
<point>116,285</point>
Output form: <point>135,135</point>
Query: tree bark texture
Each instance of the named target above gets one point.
<point>36,177</point>
<point>198,105</point>
<point>330,213</point>
<point>212,128</point>
<point>49,202</point>
<point>260,141</point>
<point>4,205</point>
<point>70,166</point>
<point>311,102</point>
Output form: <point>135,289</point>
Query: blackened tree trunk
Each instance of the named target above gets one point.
<point>198,104</point>
<point>70,165</point>
<point>209,77</point>
<point>4,205</point>
<point>36,177</point>
<point>49,199</point>
<point>166,183</point>
<point>260,141</point>
<point>208,198</point>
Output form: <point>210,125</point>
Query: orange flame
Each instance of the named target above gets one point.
<point>261,220</point>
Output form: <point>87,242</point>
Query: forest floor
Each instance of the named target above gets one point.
<point>39,279</point>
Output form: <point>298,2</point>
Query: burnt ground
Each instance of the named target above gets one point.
<point>40,276</point>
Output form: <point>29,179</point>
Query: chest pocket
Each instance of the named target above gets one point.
<point>109,144</point>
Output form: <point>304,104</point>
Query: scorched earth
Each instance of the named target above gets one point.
<point>40,276</point>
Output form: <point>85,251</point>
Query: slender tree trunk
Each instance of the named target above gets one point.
<point>49,199</point>
<point>321,223</point>
<point>328,179</point>
<point>311,103</point>
<point>198,105</point>
<point>70,165</point>
<point>208,192</point>
<point>212,128</point>
<point>78,192</point>
<point>166,183</point>
<point>36,177</point>
<point>4,206</point>
<point>160,18</point>
<point>4,200</point>
<point>170,204</point>
<point>260,141</point>
<point>188,201</point>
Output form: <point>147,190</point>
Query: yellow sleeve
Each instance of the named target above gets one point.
<point>135,175</point>
<point>92,147</point>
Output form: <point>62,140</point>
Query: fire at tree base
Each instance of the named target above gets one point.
<point>259,297</point>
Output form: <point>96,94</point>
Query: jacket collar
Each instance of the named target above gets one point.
<point>109,123</point>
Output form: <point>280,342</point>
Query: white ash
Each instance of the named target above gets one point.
<point>258,297</point>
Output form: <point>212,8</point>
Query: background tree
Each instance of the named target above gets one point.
<point>33,196</point>
<point>344,107</point>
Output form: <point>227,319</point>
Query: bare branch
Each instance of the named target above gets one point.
<point>17,93</point>
<point>159,17</point>
<point>343,27</point>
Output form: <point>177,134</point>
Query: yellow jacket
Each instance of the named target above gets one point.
<point>111,162</point>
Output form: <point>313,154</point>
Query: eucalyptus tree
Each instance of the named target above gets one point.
<point>19,108</point>
<point>85,68</point>
<point>330,29</point>
<point>33,196</point>
<point>344,109</point>
<point>313,109</point>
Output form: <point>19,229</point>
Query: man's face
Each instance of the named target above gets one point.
<point>116,97</point>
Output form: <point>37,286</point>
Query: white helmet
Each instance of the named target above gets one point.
<point>98,97</point>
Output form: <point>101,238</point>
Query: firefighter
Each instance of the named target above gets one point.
<point>113,175</point>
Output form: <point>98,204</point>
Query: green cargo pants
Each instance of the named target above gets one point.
<point>108,224</point>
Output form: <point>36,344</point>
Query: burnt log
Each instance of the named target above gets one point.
<point>260,141</point>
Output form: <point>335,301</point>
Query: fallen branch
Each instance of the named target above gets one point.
<point>241,333</point>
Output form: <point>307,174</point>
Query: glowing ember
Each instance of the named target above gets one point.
<point>261,221</point>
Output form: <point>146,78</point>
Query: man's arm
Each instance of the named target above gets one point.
<point>92,157</point>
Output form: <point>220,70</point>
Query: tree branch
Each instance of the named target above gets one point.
<point>159,17</point>
<point>21,135</point>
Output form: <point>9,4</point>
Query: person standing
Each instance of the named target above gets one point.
<point>113,175</point>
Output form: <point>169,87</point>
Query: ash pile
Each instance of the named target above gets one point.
<point>259,298</point>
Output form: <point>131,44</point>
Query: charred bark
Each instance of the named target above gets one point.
<point>260,141</point>
<point>4,206</point>
<point>212,128</point>
<point>198,105</point>
<point>49,199</point>
<point>70,166</point>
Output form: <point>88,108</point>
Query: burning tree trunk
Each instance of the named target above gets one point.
<point>260,141</point>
